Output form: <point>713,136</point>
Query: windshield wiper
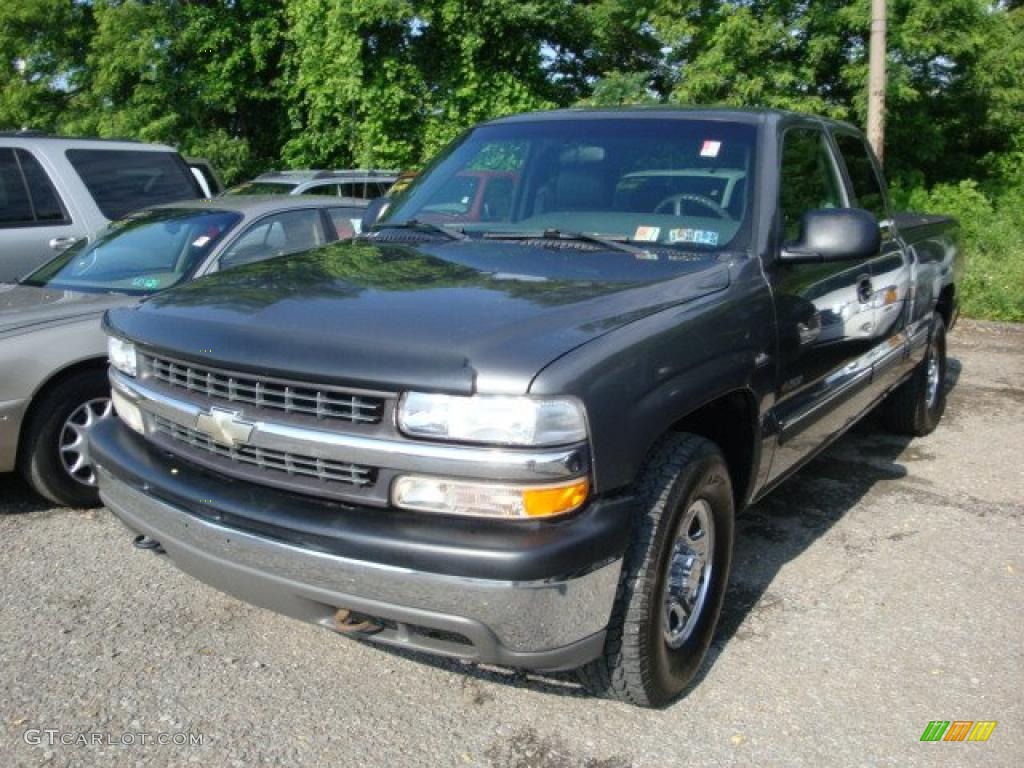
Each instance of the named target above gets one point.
<point>422,226</point>
<point>560,234</point>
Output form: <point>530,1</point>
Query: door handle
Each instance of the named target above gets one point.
<point>864,289</point>
<point>60,243</point>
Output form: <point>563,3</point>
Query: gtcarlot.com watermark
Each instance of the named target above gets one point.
<point>53,737</point>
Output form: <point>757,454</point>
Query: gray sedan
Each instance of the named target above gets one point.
<point>53,384</point>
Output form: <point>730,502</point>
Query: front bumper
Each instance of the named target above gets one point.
<point>520,618</point>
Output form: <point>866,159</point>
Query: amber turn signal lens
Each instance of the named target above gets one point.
<point>545,502</point>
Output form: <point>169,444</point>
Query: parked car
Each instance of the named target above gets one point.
<point>206,176</point>
<point>56,190</point>
<point>523,439</point>
<point>357,183</point>
<point>52,352</point>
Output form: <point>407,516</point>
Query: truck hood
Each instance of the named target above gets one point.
<point>24,308</point>
<point>454,316</point>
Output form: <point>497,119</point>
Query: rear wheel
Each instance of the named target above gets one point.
<point>917,405</point>
<point>674,576</point>
<point>54,456</point>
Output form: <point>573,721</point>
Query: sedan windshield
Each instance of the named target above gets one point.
<point>678,182</point>
<point>141,254</point>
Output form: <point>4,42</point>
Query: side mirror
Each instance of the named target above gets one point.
<point>834,234</point>
<point>371,215</point>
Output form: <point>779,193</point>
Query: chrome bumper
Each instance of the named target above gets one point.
<point>549,624</point>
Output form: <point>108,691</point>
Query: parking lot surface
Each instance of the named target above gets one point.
<point>880,589</point>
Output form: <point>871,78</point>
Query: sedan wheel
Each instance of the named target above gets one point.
<point>74,439</point>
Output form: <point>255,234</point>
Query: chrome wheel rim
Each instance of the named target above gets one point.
<point>688,573</point>
<point>74,439</point>
<point>933,380</point>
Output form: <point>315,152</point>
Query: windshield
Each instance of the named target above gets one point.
<point>144,253</point>
<point>676,182</point>
<point>262,188</point>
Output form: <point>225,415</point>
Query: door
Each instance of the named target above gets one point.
<point>894,272</point>
<point>34,223</point>
<point>825,312</point>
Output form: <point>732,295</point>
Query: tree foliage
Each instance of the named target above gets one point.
<point>258,83</point>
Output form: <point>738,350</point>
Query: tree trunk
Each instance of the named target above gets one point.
<point>876,79</point>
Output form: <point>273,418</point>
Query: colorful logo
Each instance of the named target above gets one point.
<point>958,730</point>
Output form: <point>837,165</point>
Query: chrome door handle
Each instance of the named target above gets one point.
<point>60,243</point>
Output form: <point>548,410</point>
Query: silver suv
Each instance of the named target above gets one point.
<point>358,183</point>
<point>56,190</point>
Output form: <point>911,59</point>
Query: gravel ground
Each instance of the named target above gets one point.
<point>881,588</point>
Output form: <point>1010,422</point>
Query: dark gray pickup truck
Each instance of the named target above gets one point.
<point>513,422</point>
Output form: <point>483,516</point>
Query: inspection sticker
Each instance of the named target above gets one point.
<point>701,236</point>
<point>647,234</point>
<point>710,148</point>
<point>200,241</point>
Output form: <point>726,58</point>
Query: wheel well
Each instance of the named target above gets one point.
<point>730,422</point>
<point>98,364</point>
<point>946,304</point>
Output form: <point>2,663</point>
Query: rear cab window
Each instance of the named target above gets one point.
<point>865,183</point>
<point>122,181</point>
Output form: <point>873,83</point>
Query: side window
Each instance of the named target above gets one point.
<point>122,181</point>
<point>322,189</point>
<point>356,189</point>
<point>44,197</point>
<point>863,177</point>
<point>15,208</point>
<point>807,178</point>
<point>347,222</point>
<point>276,235</point>
<point>27,198</point>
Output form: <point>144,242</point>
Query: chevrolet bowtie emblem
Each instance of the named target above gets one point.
<point>224,427</point>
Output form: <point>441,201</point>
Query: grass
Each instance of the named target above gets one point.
<point>992,237</point>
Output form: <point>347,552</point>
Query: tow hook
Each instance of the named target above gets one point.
<point>142,541</point>
<point>346,623</point>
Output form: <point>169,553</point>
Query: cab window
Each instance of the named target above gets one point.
<point>807,179</point>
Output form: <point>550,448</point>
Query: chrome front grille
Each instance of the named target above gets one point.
<point>295,465</point>
<point>318,401</point>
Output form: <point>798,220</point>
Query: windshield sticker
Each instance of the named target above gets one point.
<point>200,241</point>
<point>710,148</point>
<point>148,283</point>
<point>701,236</point>
<point>647,234</point>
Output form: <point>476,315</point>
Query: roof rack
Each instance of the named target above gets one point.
<point>35,133</point>
<point>317,173</point>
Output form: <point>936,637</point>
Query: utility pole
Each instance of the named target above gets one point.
<point>876,79</point>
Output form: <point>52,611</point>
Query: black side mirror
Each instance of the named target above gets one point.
<point>834,234</point>
<point>372,213</point>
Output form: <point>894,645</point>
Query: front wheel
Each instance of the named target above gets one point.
<point>674,576</point>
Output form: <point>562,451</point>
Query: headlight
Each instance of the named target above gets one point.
<point>493,419</point>
<point>121,354</point>
<point>458,497</point>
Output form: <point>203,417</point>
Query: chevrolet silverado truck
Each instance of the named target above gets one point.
<point>515,427</point>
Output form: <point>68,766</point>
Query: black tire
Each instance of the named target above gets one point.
<point>638,666</point>
<point>912,409</point>
<point>39,455</point>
